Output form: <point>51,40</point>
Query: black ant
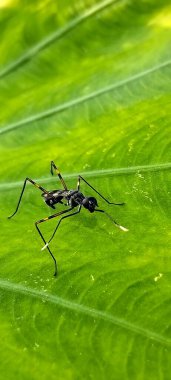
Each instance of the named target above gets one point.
<point>74,199</point>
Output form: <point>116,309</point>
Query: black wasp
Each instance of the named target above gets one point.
<point>74,199</point>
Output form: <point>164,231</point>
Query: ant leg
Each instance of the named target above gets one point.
<point>67,216</point>
<point>106,200</point>
<point>78,183</point>
<point>116,224</point>
<point>55,274</point>
<point>38,229</point>
<point>53,167</point>
<point>25,182</point>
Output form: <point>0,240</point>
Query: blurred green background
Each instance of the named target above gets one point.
<point>88,85</point>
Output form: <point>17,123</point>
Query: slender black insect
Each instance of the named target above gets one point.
<point>73,198</point>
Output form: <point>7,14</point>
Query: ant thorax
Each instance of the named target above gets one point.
<point>75,198</point>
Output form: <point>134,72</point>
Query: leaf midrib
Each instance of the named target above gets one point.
<point>80,308</point>
<point>95,173</point>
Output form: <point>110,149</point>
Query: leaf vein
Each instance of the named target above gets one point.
<point>80,308</point>
<point>67,105</point>
<point>96,173</point>
<point>32,52</point>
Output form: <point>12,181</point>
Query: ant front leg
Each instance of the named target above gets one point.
<point>106,200</point>
<point>25,182</point>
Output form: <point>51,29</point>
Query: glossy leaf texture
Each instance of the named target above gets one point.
<point>86,84</point>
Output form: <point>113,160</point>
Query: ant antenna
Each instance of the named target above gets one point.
<point>116,224</point>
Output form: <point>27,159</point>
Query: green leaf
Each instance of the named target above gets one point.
<point>86,84</point>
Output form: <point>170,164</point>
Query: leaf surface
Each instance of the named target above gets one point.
<point>87,85</point>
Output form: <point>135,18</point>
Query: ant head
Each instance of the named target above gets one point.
<point>90,203</point>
